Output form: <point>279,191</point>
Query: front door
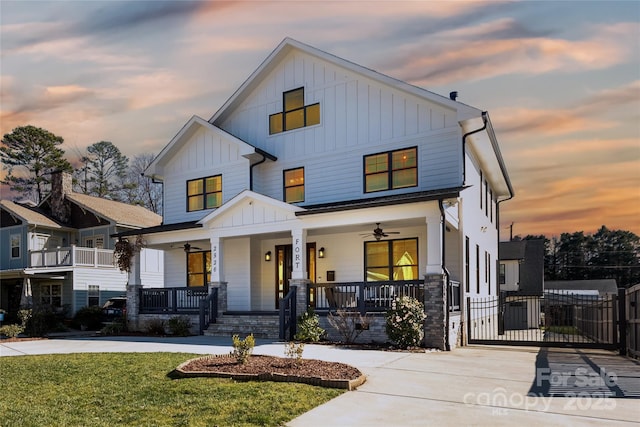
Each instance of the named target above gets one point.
<point>284,267</point>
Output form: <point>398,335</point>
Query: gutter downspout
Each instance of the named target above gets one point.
<point>447,344</point>
<point>464,143</point>
<point>264,158</point>
<point>464,182</point>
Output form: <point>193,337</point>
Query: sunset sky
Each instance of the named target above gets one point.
<point>561,80</point>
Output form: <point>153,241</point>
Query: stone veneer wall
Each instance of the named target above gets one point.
<point>375,334</point>
<point>435,306</point>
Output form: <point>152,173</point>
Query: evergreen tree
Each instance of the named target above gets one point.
<point>105,168</point>
<point>30,154</point>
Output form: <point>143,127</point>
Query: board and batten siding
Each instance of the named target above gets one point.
<point>206,153</point>
<point>359,116</point>
<point>236,272</point>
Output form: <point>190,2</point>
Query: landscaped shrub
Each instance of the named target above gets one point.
<point>89,318</point>
<point>242,349</point>
<point>404,322</point>
<point>349,324</point>
<point>11,331</point>
<point>180,326</point>
<point>294,351</point>
<point>309,328</point>
<point>114,328</point>
<point>39,321</point>
<point>155,327</point>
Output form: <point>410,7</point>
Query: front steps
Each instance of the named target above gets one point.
<point>261,325</point>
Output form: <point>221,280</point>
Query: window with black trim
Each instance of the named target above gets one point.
<point>294,185</point>
<point>390,170</point>
<point>198,268</point>
<point>93,295</point>
<point>15,246</point>
<point>204,193</point>
<point>477,269</point>
<point>503,274</point>
<point>391,260</point>
<point>294,114</point>
<point>51,294</point>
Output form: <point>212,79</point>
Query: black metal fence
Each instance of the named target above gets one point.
<point>633,321</point>
<point>555,319</point>
<point>288,316</point>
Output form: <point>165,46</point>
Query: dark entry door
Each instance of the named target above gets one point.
<point>284,267</point>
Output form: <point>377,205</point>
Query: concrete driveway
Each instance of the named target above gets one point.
<point>473,385</point>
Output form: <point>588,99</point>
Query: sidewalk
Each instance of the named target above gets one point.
<point>469,386</point>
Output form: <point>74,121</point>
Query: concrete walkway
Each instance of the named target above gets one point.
<point>473,385</point>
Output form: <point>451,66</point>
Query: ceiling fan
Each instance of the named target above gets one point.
<point>378,233</point>
<point>187,247</point>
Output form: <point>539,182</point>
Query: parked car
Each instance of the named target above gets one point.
<point>114,309</point>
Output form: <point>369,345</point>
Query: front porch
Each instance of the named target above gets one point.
<point>208,307</point>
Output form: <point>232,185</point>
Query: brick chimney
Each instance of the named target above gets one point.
<point>61,184</point>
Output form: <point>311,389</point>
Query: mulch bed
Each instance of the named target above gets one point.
<point>272,368</point>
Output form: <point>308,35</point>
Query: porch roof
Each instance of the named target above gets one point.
<point>159,229</point>
<point>396,199</point>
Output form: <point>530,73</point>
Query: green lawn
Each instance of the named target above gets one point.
<point>134,389</point>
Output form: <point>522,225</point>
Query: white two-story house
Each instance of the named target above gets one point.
<point>351,185</point>
<point>61,253</point>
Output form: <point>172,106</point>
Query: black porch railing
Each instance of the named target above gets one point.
<point>362,296</point>
<point>172,300</point>
<point>208,310</point>
<point>288,315</point>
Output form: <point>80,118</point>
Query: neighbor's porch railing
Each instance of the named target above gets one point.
<point>71,257</point>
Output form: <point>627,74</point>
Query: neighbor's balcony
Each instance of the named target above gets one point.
<point>73,256</point>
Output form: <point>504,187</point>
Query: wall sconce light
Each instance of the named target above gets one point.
<point>321,252</point>
<point>267,256</point>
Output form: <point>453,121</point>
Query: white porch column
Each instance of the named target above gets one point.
<point>299,262</point>
<point>216,259</point>
<point>434,244</point>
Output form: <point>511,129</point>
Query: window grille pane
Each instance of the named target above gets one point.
<point>275,123</point>
<point>376,163</point>
<point>194,187</point>
<point>213,200</point>
<point>294,119</point>
<point>214,184</point>
<point>196,203</point>
<point>294,99</point>
<point>405,273</point>
<point>404,178</point>
<point>377,274</point>
<point>313,114</point>
<point>404,159</point>
<point>294,194</point>
<point>377,182</point>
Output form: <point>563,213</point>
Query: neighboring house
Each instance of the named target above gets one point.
<point>593,287</point>
<point>60,253</point>
<point>569,302</point>
<point>521,282</point>
<point>324,174</point>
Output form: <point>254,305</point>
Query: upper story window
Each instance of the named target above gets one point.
<point>94,242</point>
<point>198,268</point>
<point>295,114</point>
<point>204,193</point>
<point>391,260</point>
<point>15,246</point>
<point>390,170</point>
<point>294,185</point>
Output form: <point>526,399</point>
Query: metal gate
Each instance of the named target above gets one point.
<point>557,319</point>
